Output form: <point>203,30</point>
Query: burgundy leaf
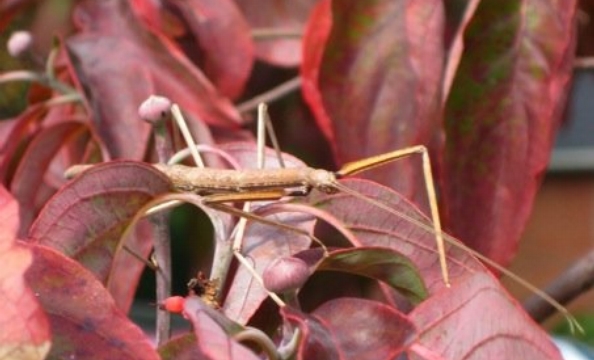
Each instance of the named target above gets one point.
<point>411,236</point>
<point>214,343</point>
<point>482,322</point>
<point>354,328</point>
<point>86,219</point>
<point>371,329</point>
<point>378,81</point>
<point>28,181</point>
<point>19,133</point>
<point>501,118</point>
<point>224,37</point>
<point>120,64</point>
<point>85,322</point>
<point>24,328</point>
<point>373,226</point>
<point>317,341</point>
<point>278,16</point>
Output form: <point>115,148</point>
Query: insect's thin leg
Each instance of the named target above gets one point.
<point>273,138</point>
<point>245,214</point>
<point>183,127</point>
<point>375,161</point>
<point>261,139</point>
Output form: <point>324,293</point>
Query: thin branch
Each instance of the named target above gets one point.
<point>271,95</point>
<point>275,33</point>
<point>574,281</point>
<point>584,62</point>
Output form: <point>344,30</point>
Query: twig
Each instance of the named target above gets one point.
<point>274,33</point>
<point>569,285</point>
<point>271,95</point>
<point>584,62</point>
<point>157,111</point>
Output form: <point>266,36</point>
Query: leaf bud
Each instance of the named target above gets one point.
<point>155,109</point>
<point>285,274</point>
<point>18,43</point>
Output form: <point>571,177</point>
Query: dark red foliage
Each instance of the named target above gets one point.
<point>483,90</point>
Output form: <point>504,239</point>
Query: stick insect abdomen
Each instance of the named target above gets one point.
<point>209,181</point>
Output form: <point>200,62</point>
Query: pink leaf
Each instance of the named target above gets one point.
<point>24,328</point>
<point>214,343</point>
<point>483,322</point>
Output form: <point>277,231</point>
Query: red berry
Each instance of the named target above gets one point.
<point>173,304</point>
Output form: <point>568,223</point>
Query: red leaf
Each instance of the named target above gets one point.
<point>501,118</point>
<point>28,182</point>
<point>278,16</point>
<point>24,329</point>
<point>85,322</point>
<point>18,134</point>
<point>120,64</point>
<point>413,237</point>
<point>373,226</point>
<point>483,322</point>
<point>86,218</point>
<point>317,341</point>
<point>315,39</point>
<point>378,79</point>
<point>214,343</point>
<point>354,328</point>
<point>224,37</point>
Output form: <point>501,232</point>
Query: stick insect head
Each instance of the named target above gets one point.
<point>322,180</point>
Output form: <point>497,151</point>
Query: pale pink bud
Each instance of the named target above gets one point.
<point>285,274</point>
<point>19,43</point>
<point>155,109</point>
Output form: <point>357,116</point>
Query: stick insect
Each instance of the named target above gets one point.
<point>219,186</point>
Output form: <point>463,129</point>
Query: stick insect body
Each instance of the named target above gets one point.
<point>224,185</point>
